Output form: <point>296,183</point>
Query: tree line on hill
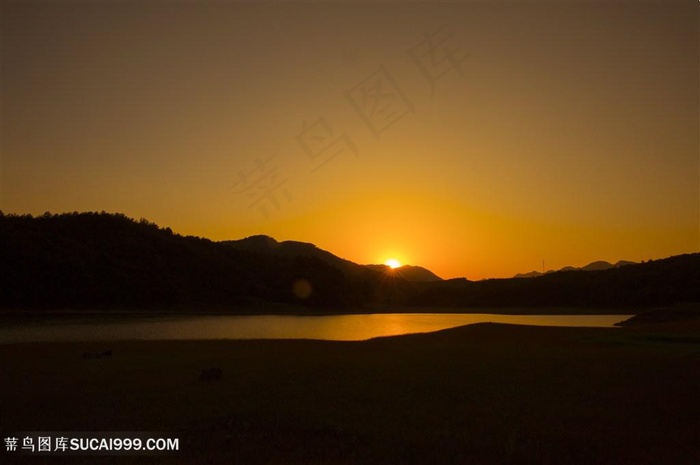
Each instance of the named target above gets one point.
<point>654,283</point>
<point>99,260</point>
<point>105,261</point>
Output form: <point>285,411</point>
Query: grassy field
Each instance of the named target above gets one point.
<point>480,394</point>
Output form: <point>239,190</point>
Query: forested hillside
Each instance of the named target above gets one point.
<point>101,260</point>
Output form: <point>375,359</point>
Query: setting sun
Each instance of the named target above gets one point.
<point>351,232</point>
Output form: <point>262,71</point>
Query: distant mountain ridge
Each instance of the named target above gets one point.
<point>109,261</point>
<point>268,245</point>
<point>594,266</point>
<point>415,274</point>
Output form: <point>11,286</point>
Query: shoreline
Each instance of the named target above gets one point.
<point>452,396</point>
<point>305,311</point>
<point>355,327</point>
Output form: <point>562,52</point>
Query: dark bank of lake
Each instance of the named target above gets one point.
<point>478,394</point>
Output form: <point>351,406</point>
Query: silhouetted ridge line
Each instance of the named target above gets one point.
<point>408,272</point>
<point>101,260</point>
<point>595,266</point>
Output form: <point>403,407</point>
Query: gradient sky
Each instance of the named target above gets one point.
<point>559,131</point>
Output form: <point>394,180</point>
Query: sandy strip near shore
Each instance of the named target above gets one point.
<point>485,393</point>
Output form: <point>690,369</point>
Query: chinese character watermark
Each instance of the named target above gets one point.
<point>320,144</point>
<point>437,56</point>
<point>379,101</point>
<point>11,444</point>
<point>261,185</point>
<point>44,443</point>
<point>28,444</point>
<point>61,444</point>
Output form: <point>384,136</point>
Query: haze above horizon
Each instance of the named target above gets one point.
<point>473,139</point>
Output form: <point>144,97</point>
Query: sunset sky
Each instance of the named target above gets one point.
<point>474,139</point>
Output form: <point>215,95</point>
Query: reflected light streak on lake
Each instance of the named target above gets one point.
<point>334,327</point>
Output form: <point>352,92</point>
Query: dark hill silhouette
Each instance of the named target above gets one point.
<point>675,314</point>
<point>291,249</point>
<point>595,266</point>
<point>370,284</point>
<point>654,283</point>
<point>268,245</point>
<point>531,274</point>
<point>414,274</point>
<point>100,260</point>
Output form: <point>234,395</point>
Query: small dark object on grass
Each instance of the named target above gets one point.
<point>212,374</point>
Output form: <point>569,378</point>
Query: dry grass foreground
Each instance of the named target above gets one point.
<point>480,394</point>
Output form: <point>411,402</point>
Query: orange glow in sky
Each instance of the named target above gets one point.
<point>543,141</point>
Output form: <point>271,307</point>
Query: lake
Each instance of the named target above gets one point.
<point>334,327</point>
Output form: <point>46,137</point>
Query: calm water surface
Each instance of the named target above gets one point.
<point>335,327</point>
